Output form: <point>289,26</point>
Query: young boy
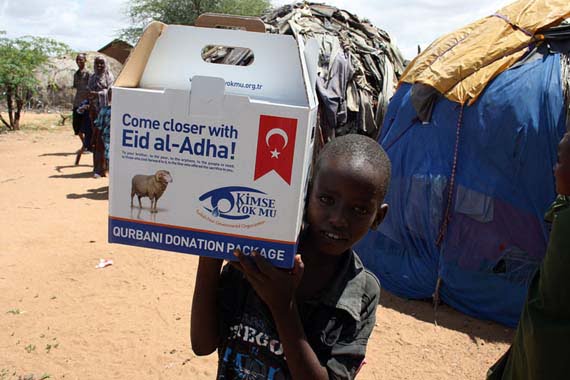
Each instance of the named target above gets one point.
<point>314,321</point>
<point>103,125</point>
<point>540,348</point>
<point>80,80</point>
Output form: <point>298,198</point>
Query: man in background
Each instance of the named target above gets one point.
<point>80,82</point>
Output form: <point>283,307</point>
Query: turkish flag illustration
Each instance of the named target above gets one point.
<point>275,146</point>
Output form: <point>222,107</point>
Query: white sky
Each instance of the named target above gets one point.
<point>91,24</point>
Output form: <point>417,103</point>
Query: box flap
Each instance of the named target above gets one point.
<point>217,20</point>
<point>132,71</point>
<point>309,58</point>
<point>206,97</point>
<point>275,75</point>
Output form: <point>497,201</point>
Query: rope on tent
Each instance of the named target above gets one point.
<point>447,217</point>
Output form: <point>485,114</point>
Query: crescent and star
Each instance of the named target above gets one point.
<point>276,131</point>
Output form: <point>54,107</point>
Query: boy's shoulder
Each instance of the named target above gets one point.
<point>361,287</point>
<point>371,282</point>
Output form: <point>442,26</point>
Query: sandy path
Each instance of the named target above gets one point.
<point>62,318</point>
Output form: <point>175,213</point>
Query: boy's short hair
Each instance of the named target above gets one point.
<point>358,149</point>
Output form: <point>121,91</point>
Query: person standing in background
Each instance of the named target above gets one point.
<point>80,83</point>
<point>540,347</point>
<point>99,84</point>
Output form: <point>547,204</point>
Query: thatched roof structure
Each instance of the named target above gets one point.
<point>56,78</point>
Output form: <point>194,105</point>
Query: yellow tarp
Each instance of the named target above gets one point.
<point>462,63</point>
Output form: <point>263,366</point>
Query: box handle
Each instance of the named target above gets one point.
<point>218,20</point>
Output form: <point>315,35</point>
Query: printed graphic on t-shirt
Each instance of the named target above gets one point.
<point>253,352</point>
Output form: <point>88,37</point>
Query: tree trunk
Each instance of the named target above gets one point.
<point>10,104</point>
<point>4,122</point>
<point>18,112</point>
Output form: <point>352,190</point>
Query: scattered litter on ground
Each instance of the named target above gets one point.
<point>104,263</point>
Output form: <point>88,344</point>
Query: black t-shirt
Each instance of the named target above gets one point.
<point>337,324</point>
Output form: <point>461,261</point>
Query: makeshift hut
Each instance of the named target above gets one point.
<point>358,66</point>
<point>472,134</point>
<point>56,81</point>
<point>117,49</point>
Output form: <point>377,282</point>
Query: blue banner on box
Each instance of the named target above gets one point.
<point>197,242</point>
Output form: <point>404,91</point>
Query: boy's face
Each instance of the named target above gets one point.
<point>562,168</point>
<point>344,204</point>
<point>80,60</point>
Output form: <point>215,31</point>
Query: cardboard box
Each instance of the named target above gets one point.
<point>236,141</point>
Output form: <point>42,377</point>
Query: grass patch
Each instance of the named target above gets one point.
<point>30,348</point>
<point>50,347</point>
<point>41,122</point>
<point>4,373</point>
<point>32,122</point>
<point>14,311</point>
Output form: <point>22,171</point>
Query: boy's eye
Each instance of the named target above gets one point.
<point>325,199</point>
<point>361,210</point>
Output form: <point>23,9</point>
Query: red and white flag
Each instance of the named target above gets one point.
<point>275,146</point>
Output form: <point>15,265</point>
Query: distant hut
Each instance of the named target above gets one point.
<point>117,49</point>
<point>56,81</point>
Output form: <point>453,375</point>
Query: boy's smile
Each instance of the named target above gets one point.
<point>344,204</point>
<point>80,60</point>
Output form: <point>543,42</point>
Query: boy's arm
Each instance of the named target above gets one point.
<point>204,325</point>
<point>277,289</point>
<point>301,358</point>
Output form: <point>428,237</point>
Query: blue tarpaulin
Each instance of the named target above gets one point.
<point>504,183</point>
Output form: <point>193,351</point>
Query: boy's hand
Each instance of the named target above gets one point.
<point>276,287</point>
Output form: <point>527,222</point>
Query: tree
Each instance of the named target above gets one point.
<point>20,58</point>
<point>185,12</point>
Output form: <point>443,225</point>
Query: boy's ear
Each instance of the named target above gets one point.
<point>380,215</point>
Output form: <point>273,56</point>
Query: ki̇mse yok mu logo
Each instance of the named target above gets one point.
<point>238,203</point>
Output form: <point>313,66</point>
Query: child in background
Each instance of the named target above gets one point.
<point>540,349</point>
<point>80,81</point>
<point>84,110</point>
<point>314,321</point>
<point>103,124</point>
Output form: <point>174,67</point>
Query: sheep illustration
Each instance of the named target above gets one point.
<point>151,186</point>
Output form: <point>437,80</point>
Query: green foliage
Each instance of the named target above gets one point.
<point>20,58</point>
<point>185,12</point>
<point>30,348</point>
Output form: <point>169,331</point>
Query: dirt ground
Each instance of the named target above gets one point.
<point>61,318</point>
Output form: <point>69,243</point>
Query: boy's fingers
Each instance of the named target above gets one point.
<point>299,265</point>
<point>248,266</point>
<point>262,264</point>
<point>298,268</point>
<point>236,265</point>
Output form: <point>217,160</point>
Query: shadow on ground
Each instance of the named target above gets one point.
<point>99,194</point>
<point>60,167</point>
<point>448,318</point>
<point>88,174</point>
<point>58,154</point>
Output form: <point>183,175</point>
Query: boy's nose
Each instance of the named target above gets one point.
<point>337,218</point>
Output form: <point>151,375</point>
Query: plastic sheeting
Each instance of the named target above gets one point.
<point>504,183</point>
<point>461,64</point>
